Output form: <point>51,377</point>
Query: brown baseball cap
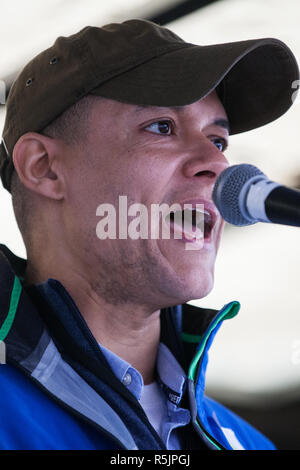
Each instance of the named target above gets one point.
<point>140,62</point>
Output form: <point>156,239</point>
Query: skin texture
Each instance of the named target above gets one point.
<point>120,285</point>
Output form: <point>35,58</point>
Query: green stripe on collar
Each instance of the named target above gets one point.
<point>14,301</point>
<point>189,338</point>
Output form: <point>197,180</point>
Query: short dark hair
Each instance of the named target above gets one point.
<point>70,126</point>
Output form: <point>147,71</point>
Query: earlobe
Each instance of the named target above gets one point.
<point>35,158</point>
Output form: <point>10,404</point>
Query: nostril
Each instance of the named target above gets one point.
<point>208,173</point>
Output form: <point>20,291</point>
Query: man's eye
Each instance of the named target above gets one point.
<point>161,127</point>
<point>220,143</point>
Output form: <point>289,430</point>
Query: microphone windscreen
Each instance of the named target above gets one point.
<point>227,190</point>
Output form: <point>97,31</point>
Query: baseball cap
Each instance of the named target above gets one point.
<point>142,63</point>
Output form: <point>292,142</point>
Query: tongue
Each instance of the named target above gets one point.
<point>186,230</point>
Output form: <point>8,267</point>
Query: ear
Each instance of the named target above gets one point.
<point>35,158</point>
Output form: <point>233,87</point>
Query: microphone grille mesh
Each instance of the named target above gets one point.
<point>227,190</point>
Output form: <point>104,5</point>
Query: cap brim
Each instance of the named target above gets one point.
<point>256,78</point>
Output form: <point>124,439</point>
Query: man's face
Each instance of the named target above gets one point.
<point>152,155</point>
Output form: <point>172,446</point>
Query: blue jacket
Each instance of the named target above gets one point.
<point>59,392</point>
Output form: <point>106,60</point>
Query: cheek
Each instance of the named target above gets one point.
<point>137,173</point>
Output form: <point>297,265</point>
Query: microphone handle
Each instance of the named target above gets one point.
<point>282,206</point>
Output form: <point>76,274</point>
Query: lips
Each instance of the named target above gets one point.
<point>194,221</point>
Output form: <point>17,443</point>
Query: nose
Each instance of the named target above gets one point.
<point>205,161</point>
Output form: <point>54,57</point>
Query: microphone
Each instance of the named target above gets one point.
<point>244,195</point>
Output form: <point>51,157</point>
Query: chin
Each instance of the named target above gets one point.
<point>202,292</point>
<point>193,289</point>
<point>187,276</point>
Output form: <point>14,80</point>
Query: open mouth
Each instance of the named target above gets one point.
<point>192,223</point>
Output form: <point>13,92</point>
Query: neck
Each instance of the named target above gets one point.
<point>131,331</point>
<point>135,339</point>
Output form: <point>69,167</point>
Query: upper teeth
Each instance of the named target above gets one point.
<point>179,217</point>
<point>201,211</point>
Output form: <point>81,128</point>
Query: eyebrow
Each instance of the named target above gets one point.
<point>222,123</point>
<point>217,122</point>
